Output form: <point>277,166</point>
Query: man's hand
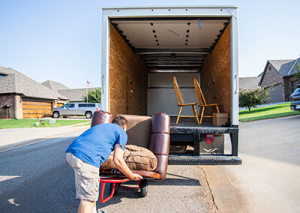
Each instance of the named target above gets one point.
<point>136,177</point>
<point>121,165</point>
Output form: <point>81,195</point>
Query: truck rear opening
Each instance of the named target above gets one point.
<point>144,48</point>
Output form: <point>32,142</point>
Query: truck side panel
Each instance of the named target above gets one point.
<point>215,75</point>
<point>127,78</point>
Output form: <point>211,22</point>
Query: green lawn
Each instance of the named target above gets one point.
<point>274,111</point>
<point>27,123</point>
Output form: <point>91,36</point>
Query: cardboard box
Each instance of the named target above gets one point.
<point>220,119</point>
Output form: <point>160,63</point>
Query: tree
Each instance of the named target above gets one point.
<point>253,97</point>
<point>93,96</point>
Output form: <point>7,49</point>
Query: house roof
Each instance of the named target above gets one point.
<point>284,67</point>
<point>75,94</point>
<point>249,82</point>
<point>54,85</point>
<point>15,82</point>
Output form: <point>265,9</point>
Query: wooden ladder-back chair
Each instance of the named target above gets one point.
<point>181,103</point>
<point>202,103</point>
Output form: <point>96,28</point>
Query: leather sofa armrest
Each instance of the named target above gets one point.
<point>101,117</point>
<point>160,141</point>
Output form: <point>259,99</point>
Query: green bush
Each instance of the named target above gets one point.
<point>253,97</point>
<point>93,96</point>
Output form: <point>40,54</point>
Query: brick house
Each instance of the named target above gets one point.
<point>280,74</point>
<point>26,98</point>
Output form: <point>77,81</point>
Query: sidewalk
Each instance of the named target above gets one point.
<point>13,138</point>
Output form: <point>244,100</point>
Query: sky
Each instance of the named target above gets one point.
<point>60,40</point>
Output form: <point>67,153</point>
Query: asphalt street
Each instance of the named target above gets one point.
<point>268,180</point>
<point>37,178</point>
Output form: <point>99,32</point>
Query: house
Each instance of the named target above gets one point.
<point>55,86</point>
<point>74,95</point>
<point>246,83</point>
<point>280,74</point>
<point>22,97</point>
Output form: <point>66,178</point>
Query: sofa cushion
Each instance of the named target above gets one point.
<point>136,158</point>
<point>138,130</point>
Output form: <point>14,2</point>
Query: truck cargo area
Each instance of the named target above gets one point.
<point>144,48</point>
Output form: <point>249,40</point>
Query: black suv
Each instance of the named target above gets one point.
<point>295,99</point>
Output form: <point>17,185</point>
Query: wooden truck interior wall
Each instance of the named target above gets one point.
<point>128,78</point>
<point>215,75</point>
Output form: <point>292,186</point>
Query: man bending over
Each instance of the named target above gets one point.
<point>86,154</point>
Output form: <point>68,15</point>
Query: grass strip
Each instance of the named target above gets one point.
<point>274,111</point>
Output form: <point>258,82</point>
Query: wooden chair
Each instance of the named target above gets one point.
<point>182,104</point>
<point>202,103</point>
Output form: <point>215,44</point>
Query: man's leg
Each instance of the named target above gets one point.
<point>86,183</point>
<point>86,206</point>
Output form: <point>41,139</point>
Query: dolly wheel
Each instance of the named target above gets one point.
<point>144,188</point>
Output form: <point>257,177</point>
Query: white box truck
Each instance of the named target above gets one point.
<point>144,48</point>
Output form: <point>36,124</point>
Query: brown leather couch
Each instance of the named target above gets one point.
<point>149,132</point>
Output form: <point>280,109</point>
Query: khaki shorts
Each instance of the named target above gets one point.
<point>86,178</point>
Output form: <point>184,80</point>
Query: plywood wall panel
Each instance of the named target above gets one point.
<point>217,66</point>
<point>125,65</point>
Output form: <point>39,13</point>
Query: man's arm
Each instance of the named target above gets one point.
<point>121,165</point>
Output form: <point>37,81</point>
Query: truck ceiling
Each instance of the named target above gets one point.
<point>177,43</point>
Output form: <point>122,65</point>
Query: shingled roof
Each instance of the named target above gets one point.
<point>75,94</point>
<point>249,82</point>
<point>54,85</point>
<point>17,83</point>
<point>285,67</point>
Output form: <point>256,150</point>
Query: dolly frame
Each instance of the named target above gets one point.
<point>116,184</point>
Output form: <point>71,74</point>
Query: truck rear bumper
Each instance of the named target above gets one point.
<point>204,160</point>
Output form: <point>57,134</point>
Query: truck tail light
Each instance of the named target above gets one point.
<point>97,109</point>
<point>210,138</point>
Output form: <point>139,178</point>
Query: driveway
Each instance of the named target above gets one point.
<point>268,180</point>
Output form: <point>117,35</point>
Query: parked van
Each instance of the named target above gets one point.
<point>86,109</point>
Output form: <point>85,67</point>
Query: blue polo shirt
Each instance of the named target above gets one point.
<point>95,145</point>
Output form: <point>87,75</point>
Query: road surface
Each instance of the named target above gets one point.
<point>37,178</point>
<point>268,180</point>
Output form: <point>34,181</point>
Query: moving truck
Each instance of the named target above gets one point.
<point>144,48</point>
